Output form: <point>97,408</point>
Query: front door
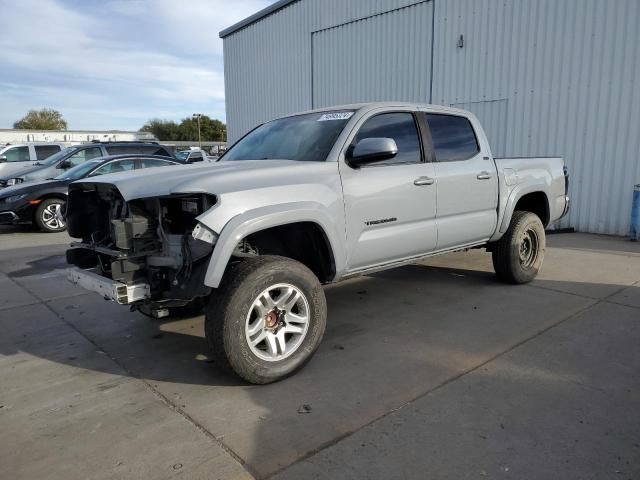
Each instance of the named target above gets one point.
<point>390,205</point>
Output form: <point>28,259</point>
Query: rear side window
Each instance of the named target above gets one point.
<point>17,154</point>
<point>44,151</point>
<point>123,149</point>
<point>196,157</point>
<point>153,162</point>
<point>154,150</point>
<point>399,126</point>
<point>115,167</point>
<point>453,137</point>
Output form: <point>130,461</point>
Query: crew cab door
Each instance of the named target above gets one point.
<point>467,181</point>
<point>390,206</point>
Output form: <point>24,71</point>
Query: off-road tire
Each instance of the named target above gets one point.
<point>40,221</point>
<point>506,253</point>
<point>229,305</point>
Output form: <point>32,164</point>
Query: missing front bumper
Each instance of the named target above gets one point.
<point>117,291</point>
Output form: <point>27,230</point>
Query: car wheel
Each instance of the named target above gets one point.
<point>48,216</point>
<point>267,318</point>
<point>518,255</point>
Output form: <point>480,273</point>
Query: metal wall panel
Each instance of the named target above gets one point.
<point>267,64</point>
<point>383,57</point>
<point>568,69</point>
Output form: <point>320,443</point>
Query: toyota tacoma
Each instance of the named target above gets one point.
<point>301,201</point>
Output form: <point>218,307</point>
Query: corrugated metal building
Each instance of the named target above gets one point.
<point>546,77</point>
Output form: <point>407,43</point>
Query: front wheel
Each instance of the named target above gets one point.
<point>48,216</point>
<point>518,255</point>
<point>267,319</point>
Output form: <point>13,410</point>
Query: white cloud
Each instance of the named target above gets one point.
<point>117,63</point>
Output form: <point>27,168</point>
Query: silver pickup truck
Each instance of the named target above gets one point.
<point>301,201</point>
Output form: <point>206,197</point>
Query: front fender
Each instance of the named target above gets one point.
<point>258,219</point>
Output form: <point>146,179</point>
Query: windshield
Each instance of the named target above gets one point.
<point>78,172</point>
<point>306,137</point>
<point>182,156</point>
<point>56,157</point>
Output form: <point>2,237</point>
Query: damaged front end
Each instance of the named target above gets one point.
<point>150,253</point>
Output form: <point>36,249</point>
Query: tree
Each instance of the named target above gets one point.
<point>165,130</point>
<point>43,119</point>
<point>210,130</point>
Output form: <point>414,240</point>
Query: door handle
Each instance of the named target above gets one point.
<point>422,181</point>
<point>484,176</point>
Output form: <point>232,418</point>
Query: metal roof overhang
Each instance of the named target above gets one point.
<point>265,12</point>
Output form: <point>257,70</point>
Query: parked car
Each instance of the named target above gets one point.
<point>77,154</point>
<point>19,156</point>
<point>41,202</point>
<point>193,156</point>
<point>303,200</point>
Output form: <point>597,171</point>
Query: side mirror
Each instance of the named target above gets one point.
<point>370,150</point>
<point>63,165</point>
<point>3,158</point>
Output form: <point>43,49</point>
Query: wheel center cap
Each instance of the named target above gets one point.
<point>271,320</point>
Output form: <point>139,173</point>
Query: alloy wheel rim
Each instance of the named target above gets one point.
<point>277,322</point>
<point>51,216</point>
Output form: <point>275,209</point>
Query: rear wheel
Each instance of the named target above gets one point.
<point>518,255</point>
<point>48,216</point>
<point>267,318</point>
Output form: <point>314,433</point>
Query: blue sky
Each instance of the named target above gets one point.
<point>114,64</point>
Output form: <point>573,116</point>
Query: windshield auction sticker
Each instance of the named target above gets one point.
<point>335,116</point>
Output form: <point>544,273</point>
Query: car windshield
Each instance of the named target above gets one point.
<point>56,157</point>
<point>307,137</point>
<point>78,171</point>
<point>182,156</point>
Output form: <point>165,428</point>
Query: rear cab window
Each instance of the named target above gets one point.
<point>453,137</point>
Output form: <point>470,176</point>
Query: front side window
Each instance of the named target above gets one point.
<point>85,154</point>
<point>453,137</point>
<point>17,154</point>
<point>401,127</point>
<point>115,167</point>
<point>79,171</point>
<point>56,157</point>
<point>307,137</point>
<point>44,151</point>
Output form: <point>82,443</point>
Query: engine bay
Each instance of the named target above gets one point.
<point>147,240</point>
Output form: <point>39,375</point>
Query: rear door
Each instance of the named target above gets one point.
<point>467,181</point>
<point>390,206</point>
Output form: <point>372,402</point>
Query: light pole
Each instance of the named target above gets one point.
<point>197,116</point>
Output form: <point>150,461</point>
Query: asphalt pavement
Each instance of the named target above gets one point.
<point>430,371</point>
